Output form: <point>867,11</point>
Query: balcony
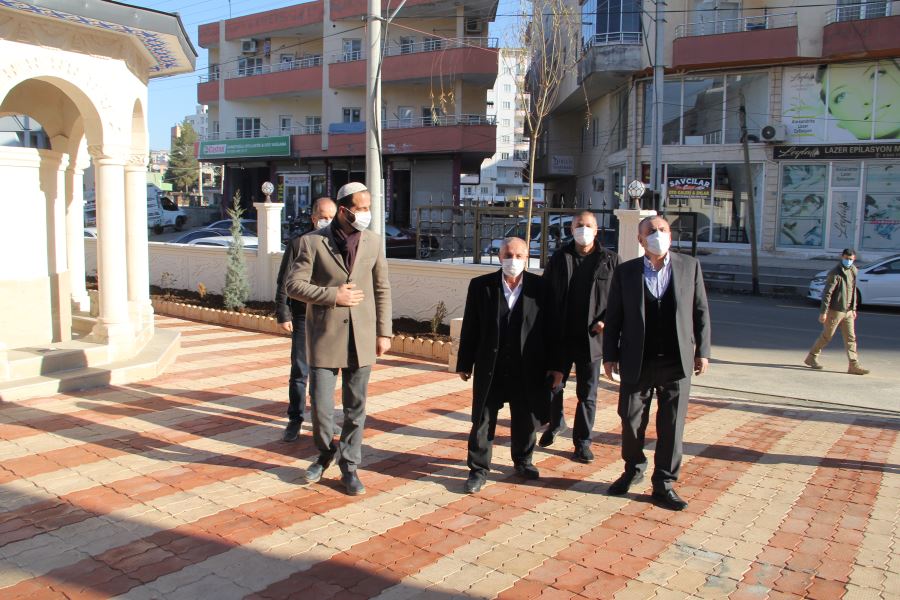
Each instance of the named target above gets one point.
<point>608,60</point>
<point>474,60</point>
<point>753,39</point>
<point>865,30</point>
<point>208,91</point>
<point>298,77</point>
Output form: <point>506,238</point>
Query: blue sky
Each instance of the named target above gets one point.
<point>173,98</point>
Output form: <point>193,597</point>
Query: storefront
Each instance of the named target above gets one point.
<point>838,196</point>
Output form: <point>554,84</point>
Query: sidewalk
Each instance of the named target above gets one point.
<point>178,488</point>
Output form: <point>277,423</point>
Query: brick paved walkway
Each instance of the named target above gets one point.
<point>178,488</point>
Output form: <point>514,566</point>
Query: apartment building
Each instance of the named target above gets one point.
<point>502,177</point>
<point>287,101</point>
<point>820,86</point>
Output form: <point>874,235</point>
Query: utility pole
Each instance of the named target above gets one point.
<point>374,171</point>
<point>751,208</point>
<point>656,168</point>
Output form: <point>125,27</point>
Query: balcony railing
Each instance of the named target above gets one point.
<point>750,23</point>
<point>439,121</point>
<point>300,63</point>
<point>395,48</point>
<point>858,12</point>
<point>614,38</point>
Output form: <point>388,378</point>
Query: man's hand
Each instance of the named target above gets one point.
<point>348,295</point>
<point>597,328</point>
<point>609,367</point>
<point>822,318</point>
<point>701,366</point>
<point>287,326</point>
<point>853,314</point>
<point>382,345</point>
<point>556,378</point>
<point>465,376</point>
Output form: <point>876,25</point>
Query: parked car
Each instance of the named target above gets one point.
<point>558,230</point>
<point>225,241</point>
<point>90,232</point>
<point>877,283</point>
<point>248,226</point>
<point>400,242</point>
<point>199,234</point>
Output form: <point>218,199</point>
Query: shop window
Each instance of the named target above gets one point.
<point>702,113</point>
<point>688,190</point>
<point>881,217</point>
<point>755,89</point>
<point>802,207</point>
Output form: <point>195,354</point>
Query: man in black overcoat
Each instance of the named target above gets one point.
<point>509,341</point>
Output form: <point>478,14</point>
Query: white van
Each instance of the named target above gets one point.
<point>162,211</point>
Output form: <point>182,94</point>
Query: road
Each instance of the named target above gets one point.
<point>759,345</point>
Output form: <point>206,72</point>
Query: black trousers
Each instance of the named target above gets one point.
<point>587,380</point>
<point>666,379</point>
<point>522,435</point>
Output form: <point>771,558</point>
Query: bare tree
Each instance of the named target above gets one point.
<point>549,37</point>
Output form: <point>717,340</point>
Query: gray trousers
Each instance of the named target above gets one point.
<point>355,381</point>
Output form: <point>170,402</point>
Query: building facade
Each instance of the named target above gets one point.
<point>287,102</point>
<point>503,176</point>
<point>820,91</point>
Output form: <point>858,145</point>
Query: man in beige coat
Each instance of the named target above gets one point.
<point>341,274</point>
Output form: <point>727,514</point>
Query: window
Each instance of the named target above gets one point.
<point>314,124</point>
<point>619,134</point>
<point>506,122</point>
<point>504,156</point>
<point>507,105</point>
<point>595,135</point>
<point>431,44</point>
<point>407,45</point>
<point>352,49</point>
<point>484,189</point>
<point>285,124</point>
<point>432,115</point>
<point>804,190</point>
<point>704,110</point>
<point>286,62</point>
<point>507,88</point>
<point>611,21</point>
<point>247,127</point>
<point>505,139</point>
<point>215,130</point>
<point>213,72</point>
<point>520,154</point>
<point>250,66</point>
<point>351,115</point>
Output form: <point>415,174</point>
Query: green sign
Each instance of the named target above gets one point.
<point>246,147</point>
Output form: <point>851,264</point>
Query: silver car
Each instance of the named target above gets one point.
<point>877,284</point>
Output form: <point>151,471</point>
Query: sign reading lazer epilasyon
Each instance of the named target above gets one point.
<point>246,147</point>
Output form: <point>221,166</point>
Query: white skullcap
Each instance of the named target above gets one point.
<point>350,188</point>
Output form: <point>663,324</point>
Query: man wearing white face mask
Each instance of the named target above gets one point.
<point>291,317</point>
<point>341,273</point>
<point>509,339</point>
<point>580,273</point>
<point>657,334</point>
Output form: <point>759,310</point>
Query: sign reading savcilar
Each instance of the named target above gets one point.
<point>246,147</point>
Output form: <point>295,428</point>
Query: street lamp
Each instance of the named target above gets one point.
<point>267,189</point>
<point>636,191</point>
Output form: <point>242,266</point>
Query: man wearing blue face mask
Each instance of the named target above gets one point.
<point>839,310</point>
<point>657,334</point>
<point>509,340</point>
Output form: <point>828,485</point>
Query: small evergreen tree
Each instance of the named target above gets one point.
<point>183,171</point>
<point>237,289</point>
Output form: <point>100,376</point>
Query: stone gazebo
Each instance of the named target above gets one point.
<point>80,69</point>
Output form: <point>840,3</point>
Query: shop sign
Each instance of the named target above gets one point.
<point>562,165</point>
<point>689,188</point>
<point>836,152</point>
<point>246,147</point>
<point>296,180</point>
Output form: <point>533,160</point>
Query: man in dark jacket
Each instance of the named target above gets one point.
<point>291,317</point>
<point>839,310</point>
<point>508,339</point>
<point>580,274</point>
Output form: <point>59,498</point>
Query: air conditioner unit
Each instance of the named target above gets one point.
<point>775,132</point>
<point>474,26</point>
<point>248,46</point>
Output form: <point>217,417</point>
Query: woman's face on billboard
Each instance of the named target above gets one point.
<point>851,99</point>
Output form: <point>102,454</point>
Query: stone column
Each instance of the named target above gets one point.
<point>75,236</point>
<point>57,250</point>
<point>629,219</point>
<point>136,245</point>
<point>268,229</point>
<point>113,325</point>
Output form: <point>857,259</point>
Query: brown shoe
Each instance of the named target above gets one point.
<point>811,362</point>
<point>856,369</point>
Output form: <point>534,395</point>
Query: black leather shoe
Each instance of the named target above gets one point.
<point>549,436</point>
<point>621,485</point>
<point>527,471</point>
<point>583,454</point>
<point>669,499</point>
<point>474,483</point>
<point>292,431</point>
<point>315,470</point>
<point>352,484</point>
